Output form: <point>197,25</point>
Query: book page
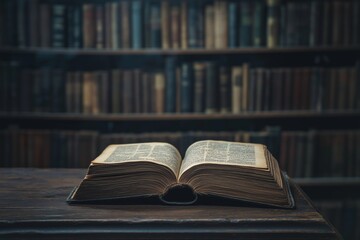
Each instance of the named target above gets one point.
<point>222,152</point>
<point>160,153</point>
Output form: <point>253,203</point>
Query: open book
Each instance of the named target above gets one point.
<point>240,171</point>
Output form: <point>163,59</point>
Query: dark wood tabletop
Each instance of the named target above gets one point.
<point>32,205</point>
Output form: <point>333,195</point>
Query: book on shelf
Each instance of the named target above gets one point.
<point>217,24</point>
<point>240,171</point>
<point>180,87</point>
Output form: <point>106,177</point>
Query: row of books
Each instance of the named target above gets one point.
<point>301,154</point>
<point>199,87</point>
<point>179,24</point>
<point>343,214</point>
<point>308,153</point>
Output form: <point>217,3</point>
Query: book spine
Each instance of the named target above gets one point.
<point>77,37</point>
<point>88,26</point>
<point>246,24</point>
<point>192,24</point>
<point>186,88</point>
<point>356,24</point>
<point>327,24</point>
<point>199,73</point>
<point>107,25</point>
<point>159,92</point>
<point>337,23</point>
<point>175,27</point>
<point>114,25</point>
<point>100,33</point>
<point>165,24</point>
<point>236,79</point>
<point>232,25</point>
<point>77,92</point>
<point>245,79</point>
<point>137,91</point>
<point>184,25</point>
<point>57,91</point>
<point>347,18</point>
<point>283,25</point>
<point>45,28</point>
<point>155,25</point>
<point>58,25</point>
<point>200,22</point>
<point>225,94</point>
<point>116,89</point>
<point>125,24</point>
<point>209,27</point>
<point>170,71</point>
<point>211,86</point>
<point>87,91</point>
<point>136,24</point>
<point>273,23</point>
<point>291,24</point>
<point>21,27</point>
<point>33,23</point>
<point>315,23</point>
<point>259,34</point>
<point>259,90</point>
<point>103,83</point>
<point>127,94</point>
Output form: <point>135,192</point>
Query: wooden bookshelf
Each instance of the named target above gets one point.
<point>141,52</point>
<point>179,116</point>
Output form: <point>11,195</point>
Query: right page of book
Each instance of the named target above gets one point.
<point>224,153</point>
<point>156,152</point>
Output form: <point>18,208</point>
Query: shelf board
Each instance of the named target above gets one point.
<point>247,50</point>
<point>177,116</point>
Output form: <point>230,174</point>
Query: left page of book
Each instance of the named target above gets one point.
<point>160,153</point>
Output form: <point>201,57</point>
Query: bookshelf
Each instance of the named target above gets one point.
<point>267,40</point>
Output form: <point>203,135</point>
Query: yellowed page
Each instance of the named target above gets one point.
<point>156,152</point>
<point>224,153</point>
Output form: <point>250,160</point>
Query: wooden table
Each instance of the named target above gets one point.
<point>32,205</point>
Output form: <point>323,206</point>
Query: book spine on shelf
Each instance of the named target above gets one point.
<point>155,25</point>
<point>192,24</point>
<point>175,27</point>
<point>136,24</point>
<point>225,93</point>
<point>209,26</point>
<point>259,24</point>
<point>88,26</point>
<point>170,85</point>
<point>232,25</point>
<point>127,96</point>
<point>184,24</point>
<point>186,87</point>
<point>159,92</point>
<point>99,22</point>
<point>116,90</point>
<point>114,25</point>
<point>125,24</point>
<point>165,24</point>
<point>273,23</point>
<point>199,73</point>
<point>236,79</point>
<point>58,25</point>
<point>137,91</point>
<point>245,23</point>
<point>211,86</point>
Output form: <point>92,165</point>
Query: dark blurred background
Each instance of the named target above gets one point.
<point>78,75</point>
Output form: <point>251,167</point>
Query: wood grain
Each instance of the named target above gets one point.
<point>33,205</point>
